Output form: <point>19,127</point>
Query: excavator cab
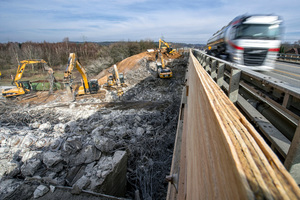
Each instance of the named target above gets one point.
<point>121,76</point>
<point>25,85</point>
<point>94,86</point>
<point>110,81</point>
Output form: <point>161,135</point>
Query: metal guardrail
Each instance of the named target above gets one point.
<point>270,104</point>
<point>295,58</point>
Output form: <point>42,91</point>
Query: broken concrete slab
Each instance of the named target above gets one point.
<point>40,191</point>
<point>30,167</point>
<point>147,107</point>
<point>51,158</point>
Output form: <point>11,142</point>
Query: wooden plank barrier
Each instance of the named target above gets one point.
<point>224,156</point>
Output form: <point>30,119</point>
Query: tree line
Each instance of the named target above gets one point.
<point>57,54</point>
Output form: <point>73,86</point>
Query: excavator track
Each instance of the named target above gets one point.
<point>26,96</point>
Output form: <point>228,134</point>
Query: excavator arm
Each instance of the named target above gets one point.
<point>21,68</point>
<point>118,81</point>
<point>163,42</point>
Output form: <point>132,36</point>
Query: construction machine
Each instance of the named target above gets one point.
<point>162,70</point>
<point>166,48</point>
<point>22,87</point>
<point>91,86</point>
<point>116,79</point>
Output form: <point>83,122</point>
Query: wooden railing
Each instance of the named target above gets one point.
<point>218,154</point>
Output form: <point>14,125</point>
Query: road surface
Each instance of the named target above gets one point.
<point>287,72</point>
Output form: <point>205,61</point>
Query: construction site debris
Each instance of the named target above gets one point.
<point>94,144</point>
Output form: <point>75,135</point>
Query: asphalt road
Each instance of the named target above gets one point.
<point>287,72</point>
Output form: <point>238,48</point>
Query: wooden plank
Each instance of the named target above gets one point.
<point>225,157</point>
<point>178,162</point>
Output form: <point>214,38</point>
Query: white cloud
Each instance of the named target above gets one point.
<point>94,20</point>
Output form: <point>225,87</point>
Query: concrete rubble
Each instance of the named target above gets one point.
<point>110,146</point>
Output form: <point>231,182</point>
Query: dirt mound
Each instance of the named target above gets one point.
<point>132,63</point>
<point>125,65</point>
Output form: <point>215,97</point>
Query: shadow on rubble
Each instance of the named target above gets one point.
<point>126,146</point>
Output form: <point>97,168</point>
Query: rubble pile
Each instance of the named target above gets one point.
<point>120,147</point>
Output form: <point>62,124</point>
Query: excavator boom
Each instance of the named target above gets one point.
<point>21,68</point>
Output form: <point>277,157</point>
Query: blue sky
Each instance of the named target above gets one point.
<point>189,21</point>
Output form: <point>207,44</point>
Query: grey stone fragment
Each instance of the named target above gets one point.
<point>103,143</point>
<point>138,118</point>
<point>30,167</point>
<point>31,154</point>
<point>140,131</point>
<point>83,182</point>
<point>51,158</point>
<point>111,172</point>
<point>45,126</point>
<point>40,191</point>
<point>72,145</point>
<point>9,168</point>
<point>98,130</point>
<point>76,190</point>
<point>8,186</point>
<point>35,125</point>
<point>74,174</point>
<point>52,188</point>
<point>57,168</point>
<point>86,155</point>
<point>59,128</point>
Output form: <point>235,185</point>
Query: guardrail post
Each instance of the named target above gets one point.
<point>207,67</point>
<point>234,84</point>
<point>214,69</point>
<point>286,100</point>
<point>292,161</point>
<point>202,61</point>
<point>220,75</point>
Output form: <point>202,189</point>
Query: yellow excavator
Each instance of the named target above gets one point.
<point>23,87</point>
<point>166,48</point>
<point>162,70</point>
<point>116,79</point>
<point>91,86</point>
